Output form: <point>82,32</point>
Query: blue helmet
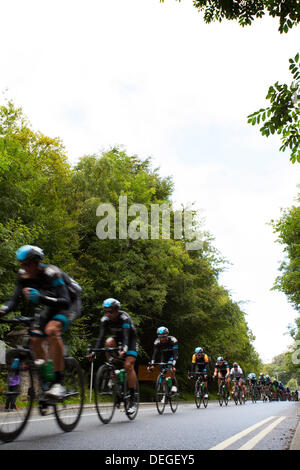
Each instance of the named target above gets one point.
<point>111,303</point>
<point>220,359</point>
<point>29,252</point>
<point>198,350</point>
<point>162,331</point>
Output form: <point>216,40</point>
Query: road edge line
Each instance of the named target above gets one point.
<point>231,440</point>
<point>261,435</point>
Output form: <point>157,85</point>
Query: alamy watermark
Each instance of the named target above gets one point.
<point>152,223</point>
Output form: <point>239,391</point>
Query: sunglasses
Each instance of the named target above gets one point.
<point>25,264</point>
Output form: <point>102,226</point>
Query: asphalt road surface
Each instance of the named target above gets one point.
<point>260,426</point>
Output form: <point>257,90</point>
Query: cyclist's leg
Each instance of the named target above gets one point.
<point>130,359</point>
<point>111,342</point>
<point>219,380</point>
<point>53,330</point>
<point>129,367</point>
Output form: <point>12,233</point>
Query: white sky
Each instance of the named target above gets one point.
<point>159,81</point>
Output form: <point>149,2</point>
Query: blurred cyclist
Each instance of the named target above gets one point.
<point>45,285</point>
<point>124,334</point>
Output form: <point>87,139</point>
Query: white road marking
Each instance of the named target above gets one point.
<point>236,437</point>
<point>256,439</point>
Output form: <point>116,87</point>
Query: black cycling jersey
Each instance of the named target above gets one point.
<point>122,330</point>
<point>53,294</point>
<point>200,363</point>
<point>223,367</point>
<point>168,350</point>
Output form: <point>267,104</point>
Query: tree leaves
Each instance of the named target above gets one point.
<point>283,113</point>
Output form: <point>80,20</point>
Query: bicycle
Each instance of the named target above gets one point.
<point>111,387</point>
<point>238,397</point>
<point>222,393</point>
<point>31,387</point>
<point>253,392</point>
<point>199,389</point>
<point>163,393</point>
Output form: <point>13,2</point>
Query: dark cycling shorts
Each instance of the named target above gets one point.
<point>132,345</point>
<point>223,372</point>
<point>46,316</point>
<point>239,379</point>
<point>200,369</point>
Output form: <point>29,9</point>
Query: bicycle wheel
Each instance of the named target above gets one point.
<point>105,393</point>
<point>16,395</point>
<point>68,409</point>
<point>174,398</point>
<point>205,401</point>
<point>220,397</point>
<point>161,393</point>
<point>198,394</point>
<point>131,416</point>
<point>225,395</point>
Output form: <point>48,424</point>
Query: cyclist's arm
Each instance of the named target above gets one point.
<point>11,304</point>
<point>59,298</point>
<point>101,336</point>
<point>155,351</point>
<point>126,331</point>
<point>175,357</point>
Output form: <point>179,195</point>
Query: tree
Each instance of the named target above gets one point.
<point>284,111</point>
<point>288,230</point>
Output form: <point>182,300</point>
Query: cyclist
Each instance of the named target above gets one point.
<point>281,389</point>
<point>261,383</point>
<point>275,389</point>
<point>42,284</point>
<point>238,374</point>
<point>168,347</point>
<point>200,363</point>
<point>124,334</point>
<point>251,381</point>
<point>222,370</point>
<point>268,385</point>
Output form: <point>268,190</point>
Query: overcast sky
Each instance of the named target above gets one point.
<point>159,81</point>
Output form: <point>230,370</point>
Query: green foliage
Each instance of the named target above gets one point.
<point>44,201</point>
<point>288,230</point>
<point>283,115</point>
<point>246,11</point>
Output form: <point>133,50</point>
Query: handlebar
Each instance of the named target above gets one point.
<point>17,320</point>
<point>160,364</point>
<point>118,348</point>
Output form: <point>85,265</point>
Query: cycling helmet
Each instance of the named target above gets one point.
<point>27,252</point>
<point>235,364</point>
<point>220,359</point>
<point>111,303</point>
<point>162,331</point>
<point>198,350</point>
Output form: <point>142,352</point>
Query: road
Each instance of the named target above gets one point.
<point>260,426</point>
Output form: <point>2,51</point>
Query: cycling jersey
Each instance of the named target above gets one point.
<point>168,350</point>
<point>50,291</point>
<point>122,330</point>
<point>237,373</point>
<point>223,368</point>
<point>200,363</point>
